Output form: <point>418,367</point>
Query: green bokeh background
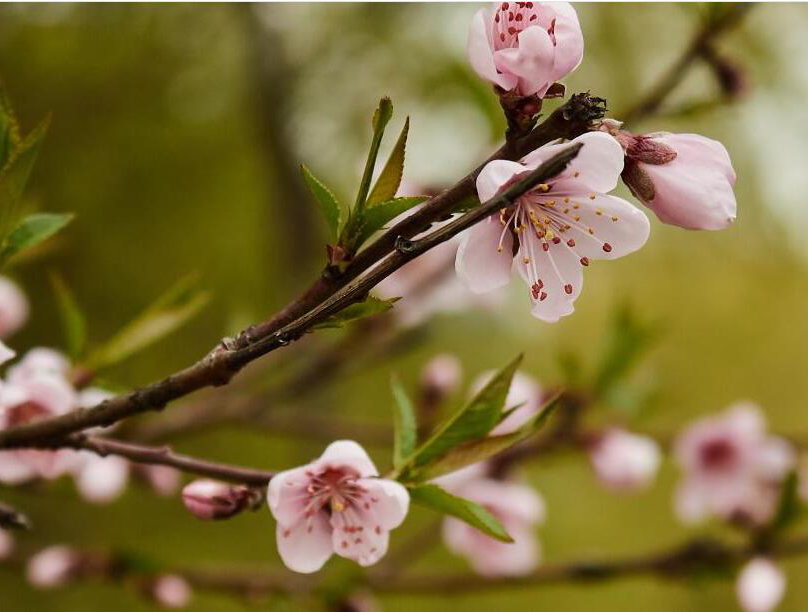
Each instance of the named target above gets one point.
<point>176,135</point>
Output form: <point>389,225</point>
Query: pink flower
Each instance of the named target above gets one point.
<point>213,500</point>
<point>760,586</point>
<point>686,179</point>
<point>31,397</point>
<point>524,394</point>
<point>163,480</point>
<point>732,468</point>
<point>172,591</point>
<point>13,307</point>
<point>52,567</point>
<point>553,231</point>
<point>100,480</point>
<point>38,361</point>
<point>625,461</point>
<point>336,504</point>
<point>441,376</point>
<point>525,46</point>
<point>519,508</point>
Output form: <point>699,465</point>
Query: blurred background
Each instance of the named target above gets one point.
<point>176,138</point>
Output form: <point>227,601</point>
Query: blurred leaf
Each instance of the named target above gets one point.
<point>32,230</point>
<point>329,205</point>
<point>73,322</point>
<point>371,306</point>
<point>389,180</point>
<point>171,310</point>
<point>9,128</point>
<point>628,339</point>
<point>472,422</point>
<point>432,496</point>
<point>375,218</point>
<point>485,448</point>
<point>14,176</point>
<point>404,426</point>
<point>788,507</point>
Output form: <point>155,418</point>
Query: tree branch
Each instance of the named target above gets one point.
<point>221,364</point>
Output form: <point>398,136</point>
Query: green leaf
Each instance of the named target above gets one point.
<point>389,180</point>
<point>73,322</point>
<point>32,230</point>
<point>9,129</point>
<point>15,174</point>
<point>171,310</point>
<point>432,496</point>
<point>485,448</point>
<point>404,426</point>
<point>370,307</point>
<point>788,507</point>
<point>329,205</point>
<point>472,422</point>
<point>380,120</point>
<point>376,217</point>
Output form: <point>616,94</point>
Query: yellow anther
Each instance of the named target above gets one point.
<point>526,260</point>
<point>499,249</point>
<point>576,206</point>
<point>337,505</point>
<point>577,218</point>
<point>577,174</point>
<point>544,187</point>
<point>591,196</point>
<point>566,199</point>
<point>590,230</point>
<point>614,218</point>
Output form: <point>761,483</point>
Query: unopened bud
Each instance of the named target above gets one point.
<point>212,500</point>
<point>172,591</point>
<point>441,375</point>
<point>52,567</point>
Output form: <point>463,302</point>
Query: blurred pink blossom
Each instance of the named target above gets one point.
<point>442,375</point>
<point>761,585</point>
<point>100,480</point>
<point>336,504</point>
<point>732,468</point>
<point>554,230</point>
<point>525,395</point>
<point>6,544</point>
<point>519,508</point>
<point>13,307</point>
<point>625,461</point>
<point>172,591</point>
<point>52,567</point>
<point>163,480</point>
<point>525,46</point>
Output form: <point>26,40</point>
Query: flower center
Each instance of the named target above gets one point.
<point>511,18</point>
<point>26,412</point>
<point>718,454</point>
<point>333,490</point>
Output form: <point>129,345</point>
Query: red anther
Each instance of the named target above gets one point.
<point>529,4</point>
<point>505,6</point>
<point>570,243</point>
<point>519,17</point>
<point>607,247</point>
<point>556,240</point>
<point>543,296</point>
<point>502,37</point>
<point>532,18</point>
<point>545,246</point>
<point>584,261</point>
<point>496,18</point>
<point>511,31</point>
<point>568,289</point>
<point>540,283</point>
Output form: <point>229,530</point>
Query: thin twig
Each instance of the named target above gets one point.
<point>11,518</point>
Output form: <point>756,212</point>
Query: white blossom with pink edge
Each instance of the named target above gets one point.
<point>624,461</point>
<point>37,361</point>
<point>51,567</point>
<point>525,46</point>
<point>732,468</point>
<point>761,586</point>
<point>519,508</point>
<point>13,307</point>
<point>335,504</point>
<point>691,187</point>
<point>172,591</point>
<point>553,231</point>
<point>524,394</point>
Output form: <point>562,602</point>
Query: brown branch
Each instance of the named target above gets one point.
<point>11,518</point>
<point>700,46</point>
<point>222,363</point>
<point>163,455</point>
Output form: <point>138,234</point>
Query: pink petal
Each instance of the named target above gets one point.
<point>102,479</point>
<point>531,61</point>
<point>479,263</point>
<point>760,586</point>
<point>569,41</point>
<point>357,536</point>
<point>393,501</point>
<point>495,175</point>
<point>6,353</point>
<point>347,453</point>
<point>13,470</point>
<point>287,496</point>
<point>305,546</point>
<point>481,54</point>
<point>13,307</point>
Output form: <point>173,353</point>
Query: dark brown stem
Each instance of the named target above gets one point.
<point>700,45</point>
<point>222,363</point>
<point>163,455</point>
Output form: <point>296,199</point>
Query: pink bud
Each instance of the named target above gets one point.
<point>172,591</point>
<point>442,375</point>
<point>625,461</point>
<point>760,586</point>
<point>686,179</point>
<point>213,500</point>
<point>52,567</point>
<point>13,307</point>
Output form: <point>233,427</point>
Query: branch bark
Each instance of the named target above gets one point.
<point>328,295</point>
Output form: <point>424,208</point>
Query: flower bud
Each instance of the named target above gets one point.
<point>172,591</point>
<point>625,461</point>
<point>52,567</point>
<point>212,500</point>
<point>441,375</point>
<point>760,586</point>
<point>13,307</point>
